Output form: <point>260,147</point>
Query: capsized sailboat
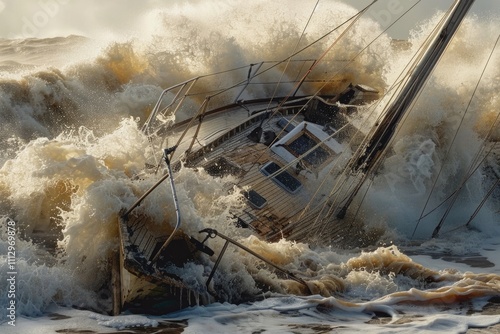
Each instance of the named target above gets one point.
<point>297,158</point>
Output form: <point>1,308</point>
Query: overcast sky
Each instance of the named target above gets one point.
<point>48,18</point>
<point>386,10</point>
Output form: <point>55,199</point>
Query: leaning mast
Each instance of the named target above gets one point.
<point>383,132</point>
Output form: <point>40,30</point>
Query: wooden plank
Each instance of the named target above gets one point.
<point>116,283</point>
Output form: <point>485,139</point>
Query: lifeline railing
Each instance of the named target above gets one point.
<point>212,233</point>
<point>166,152</point>
<point>230,87</point>
<point>186,89</point>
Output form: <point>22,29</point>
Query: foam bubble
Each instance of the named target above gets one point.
<point>75,150</point>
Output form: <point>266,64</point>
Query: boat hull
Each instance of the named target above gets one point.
<point>142,287</point>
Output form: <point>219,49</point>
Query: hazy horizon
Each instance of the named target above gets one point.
<point>91,18</point>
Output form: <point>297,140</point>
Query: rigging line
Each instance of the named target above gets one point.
<point>479,207</point>
<point>405,73</point>
<point>397,84</point>
<point>373,110</point>
<point>482,202</point>
<point>320,228</point>
<point>362,200</point>
<point>394,86</point>
<point>356,17</point>
<point>333,190</point>
<point>300,157</point>
<point>366,47</point>
<point>369,44</point>
<point>454,197</point>
<point>360,204</point>
<point>250,65</point>
<point>468,177</point>
<point>276,110</point>
<point>301,50</point>
<point>347,184</point>
<point>448,209</point>
<point>360,52</point>
<point>334,29</point>
<point>475,161</point>
<point>437,177</point>
<point>277,63</point>
<point>471,170</point>
<point>290,58</point>
<point>336,188</point>
<point>491,189</point>
<point>364,196</point>
<point>404,119</point>
<point>478,165</point>
<point>335,193</point>
<point>384,133</point>
<point>409,68</point>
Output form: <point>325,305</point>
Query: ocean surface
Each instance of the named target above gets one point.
<point>71,108</point>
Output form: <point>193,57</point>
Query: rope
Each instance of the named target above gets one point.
<point>337,188</point>
<point>469,175</point>
<point>448,209</point>
<point>357,15</point>
<point>397,83</point>
<point>290,58</point>
<point>483,201</point>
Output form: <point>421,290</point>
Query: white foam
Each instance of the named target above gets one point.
<point>77,178</point>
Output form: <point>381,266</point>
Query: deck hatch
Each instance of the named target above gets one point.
<point>255,199</point>
<point>283,179</point>
<point>303,144</point>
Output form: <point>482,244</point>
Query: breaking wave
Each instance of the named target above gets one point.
<point>72,148</point>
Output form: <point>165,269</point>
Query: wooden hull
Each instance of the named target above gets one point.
<point>276,209</point>
<point>141,295</point>
<point>142,287</point>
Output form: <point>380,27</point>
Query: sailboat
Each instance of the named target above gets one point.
<point>291,141</point>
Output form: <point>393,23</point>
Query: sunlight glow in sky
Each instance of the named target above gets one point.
<point>50,18</point>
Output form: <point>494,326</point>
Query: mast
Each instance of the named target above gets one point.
<point>382,134</point>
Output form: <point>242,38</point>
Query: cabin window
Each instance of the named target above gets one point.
<point>303,144</point>
<point>283,179</point>
<point>255,199</point>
